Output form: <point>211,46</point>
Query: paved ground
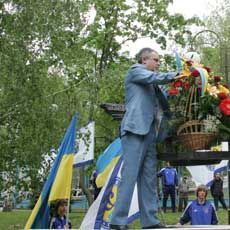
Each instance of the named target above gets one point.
<point>203,227</point>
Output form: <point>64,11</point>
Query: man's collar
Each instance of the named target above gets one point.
<point>200,203</point>
<point>138,65</point>
<point>61,217</point>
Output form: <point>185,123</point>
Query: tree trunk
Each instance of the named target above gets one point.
<point>85,190</point>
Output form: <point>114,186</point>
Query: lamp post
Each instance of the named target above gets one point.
<point>224,52</point>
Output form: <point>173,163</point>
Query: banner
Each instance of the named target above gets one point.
<point>203,174</point>
<point>85,143</point>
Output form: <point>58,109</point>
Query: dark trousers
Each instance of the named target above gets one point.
<point>183,201</point>
<point>216,202</point>
<point>169,190</point>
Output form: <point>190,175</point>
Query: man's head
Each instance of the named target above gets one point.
<point>184,178</point>
<point>149,57</point>
<point>201,192</point>
<point>61,207</point>
<point>217,175</point>
<point>168,164</point>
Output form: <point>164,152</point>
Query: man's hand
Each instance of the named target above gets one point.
<point>181,76</point>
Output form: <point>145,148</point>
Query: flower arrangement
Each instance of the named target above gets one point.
<point>213,95</point>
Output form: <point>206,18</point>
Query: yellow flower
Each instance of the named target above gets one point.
<point>216,148</point>
<point>223,89</point>
<point>212,90</point>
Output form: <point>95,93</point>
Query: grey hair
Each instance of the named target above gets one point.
<point>144,53</point>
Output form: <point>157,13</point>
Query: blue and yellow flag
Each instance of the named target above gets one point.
<point>58,183</point>
<point>109,167</point>
<point>107,161</point>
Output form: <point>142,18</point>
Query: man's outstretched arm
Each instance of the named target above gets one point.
<point>145,76</point>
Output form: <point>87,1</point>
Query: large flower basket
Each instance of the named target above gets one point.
<point>204,104</point>
<point>194,135</point>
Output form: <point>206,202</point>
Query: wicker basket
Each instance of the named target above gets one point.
<point>193,135</point>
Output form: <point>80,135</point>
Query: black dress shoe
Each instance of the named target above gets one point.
<point>118,227</point>
<point>155,226</point>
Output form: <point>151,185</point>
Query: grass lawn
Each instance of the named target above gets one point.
<point>17,219</point>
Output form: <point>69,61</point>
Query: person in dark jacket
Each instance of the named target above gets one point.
<point>200,211</point>
<point>96,190</point>
<point>217,191</point>
<point>169,183</point>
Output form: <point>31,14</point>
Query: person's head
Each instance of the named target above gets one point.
<point>168,164</point>
<point>217,176</point>
<point>149,57</point>
<point>61,207</point>
<point>184,178</point>
<point>202,192</point>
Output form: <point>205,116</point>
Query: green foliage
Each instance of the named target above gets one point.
<point>56,59</point>
<point>215,48</point>
<point>209,105</point>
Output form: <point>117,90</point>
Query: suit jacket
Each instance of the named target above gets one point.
<point>143,98</point>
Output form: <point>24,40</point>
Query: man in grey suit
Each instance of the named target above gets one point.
<point>146,108</point>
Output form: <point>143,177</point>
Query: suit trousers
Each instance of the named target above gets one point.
<point>139,165</point>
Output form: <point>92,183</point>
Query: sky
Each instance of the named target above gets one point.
<point>188,8</point>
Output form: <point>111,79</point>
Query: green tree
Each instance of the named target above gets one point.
<point>56,60</point>
<point>214,48</point>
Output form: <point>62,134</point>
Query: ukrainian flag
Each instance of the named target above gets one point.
<point>106,162</point>
<point>58,184</point>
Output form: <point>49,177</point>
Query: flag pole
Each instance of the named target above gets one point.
<point>67,215</point>
<point>68,207</point>
<point>68,201</point>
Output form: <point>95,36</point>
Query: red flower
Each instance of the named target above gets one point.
<point>173,91</point>
<point>195,73</point>
<point>199,83</point>
<point>189,63</point>
<point>225,106</point>
<point>217,78</point>
<point>177,83</point>
<point>208,69</point>
<point>226,85</point>
<point>186,85</point>
<point>222,95</point>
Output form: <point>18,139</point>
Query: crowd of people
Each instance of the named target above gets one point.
<point>199,211</point>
